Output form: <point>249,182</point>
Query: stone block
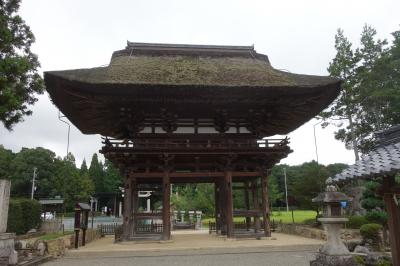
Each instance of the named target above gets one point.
<point>4,202</point>
<point>327,260</point>
<point>13,258</point>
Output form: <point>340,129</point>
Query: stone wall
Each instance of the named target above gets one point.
<point>57,247</point>
<point>91,234</point>
<point>51,226</point>
<point>316,233</point>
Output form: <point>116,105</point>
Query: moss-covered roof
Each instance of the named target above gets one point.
<point>190,65</point>
<point>191,81</point>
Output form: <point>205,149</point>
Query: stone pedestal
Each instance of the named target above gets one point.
<point>7,253</point>
<point>4,202</point>
<point>334,245</point>
<point>330,260</point>
<point>334,252</point>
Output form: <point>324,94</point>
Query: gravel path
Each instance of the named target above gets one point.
<point>282,256</point>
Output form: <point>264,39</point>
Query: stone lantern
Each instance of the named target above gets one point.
<point>334,252</point>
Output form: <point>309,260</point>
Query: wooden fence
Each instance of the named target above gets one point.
<point>107,229</point>
<point>241,225</point>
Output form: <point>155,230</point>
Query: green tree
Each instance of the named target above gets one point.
<point>370,97</point>
<point>96,173</point>
<point>342,111</point>
<point>373,203</point>
<point>6,157</point>
<point>380,85</point>
<point>19,78</point>
<point>72,186</point>
<point>112,178</point>
<point>308,183</point>
<point>83,169</point>
<point>22,167</point>
<point>336,168</point>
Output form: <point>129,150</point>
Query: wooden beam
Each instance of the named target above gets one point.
<point>394,227</point>
<point>135,205</point>
<point>145,215</point>
<point>193,174</point>
<point>393,219</point>
<point>247,203</point>
<point>229,204</point>
<point>265,205</point>
<point>247,213</point>
<point>166,206</point>
<point>256,205</point>
<point>217,191</point>
<point>127,209</point>
<point>222,208</point>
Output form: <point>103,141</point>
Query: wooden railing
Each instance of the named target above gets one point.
<point>142,227</point>
<point>240,225</point>
<point>107,229</point>
<point>195,143</point>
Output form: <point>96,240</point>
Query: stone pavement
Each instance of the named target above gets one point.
<point>195,248</point>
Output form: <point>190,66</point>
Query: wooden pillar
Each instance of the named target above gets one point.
<point>393,219</point>
<point>256,205</point>
<point>247,203</point>
<point>135,205</point>
<point>229,204</point>
<point>217,191</point>
<point>115,205</point>
<point>127,208</point>
<point>265,205</point>
<point>222,208</point>
<point>166,206</point>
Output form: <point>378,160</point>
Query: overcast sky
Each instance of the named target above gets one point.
<point>298,36</point>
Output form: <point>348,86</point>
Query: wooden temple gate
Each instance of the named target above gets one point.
<point>176,113</point>
<point>152,168</point>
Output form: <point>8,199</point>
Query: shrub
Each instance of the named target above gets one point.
<point>355,222</point>
<point>371,234</point>
<point>31,211</point>
<point>23,215</point>
<point>15,220</point>
<point>378,217</point>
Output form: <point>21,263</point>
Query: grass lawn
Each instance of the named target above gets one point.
<point>51,236</point>
<point>299,216</point>
<point>286,217</point>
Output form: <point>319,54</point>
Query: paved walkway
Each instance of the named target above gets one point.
<point>195,248</point>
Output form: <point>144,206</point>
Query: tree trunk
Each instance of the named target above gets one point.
<point>353,139</point>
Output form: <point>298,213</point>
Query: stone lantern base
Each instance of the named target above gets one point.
<point>332,260</point>
<point>7,253</point>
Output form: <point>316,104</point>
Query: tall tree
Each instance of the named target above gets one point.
<point>22,171</point>
<point>380,85</point>
<point>370,97</point>
<point>308,183</point>
<point>19,78</point>
<point>72,186</point>
<point>96,173</point>
<point>342,111</point>
<point>6,157</point>
<point>112,178</point>
<point>83,169</point>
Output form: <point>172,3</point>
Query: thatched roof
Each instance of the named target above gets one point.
<point>194,81</point>
<point>180,65</point>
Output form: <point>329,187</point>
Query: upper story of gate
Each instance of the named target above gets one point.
<point>152,90</point>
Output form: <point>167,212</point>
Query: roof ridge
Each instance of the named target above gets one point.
<point>188,46</point>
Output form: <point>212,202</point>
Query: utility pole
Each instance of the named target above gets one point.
<point>33,182</point>
<point>287,203</point>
